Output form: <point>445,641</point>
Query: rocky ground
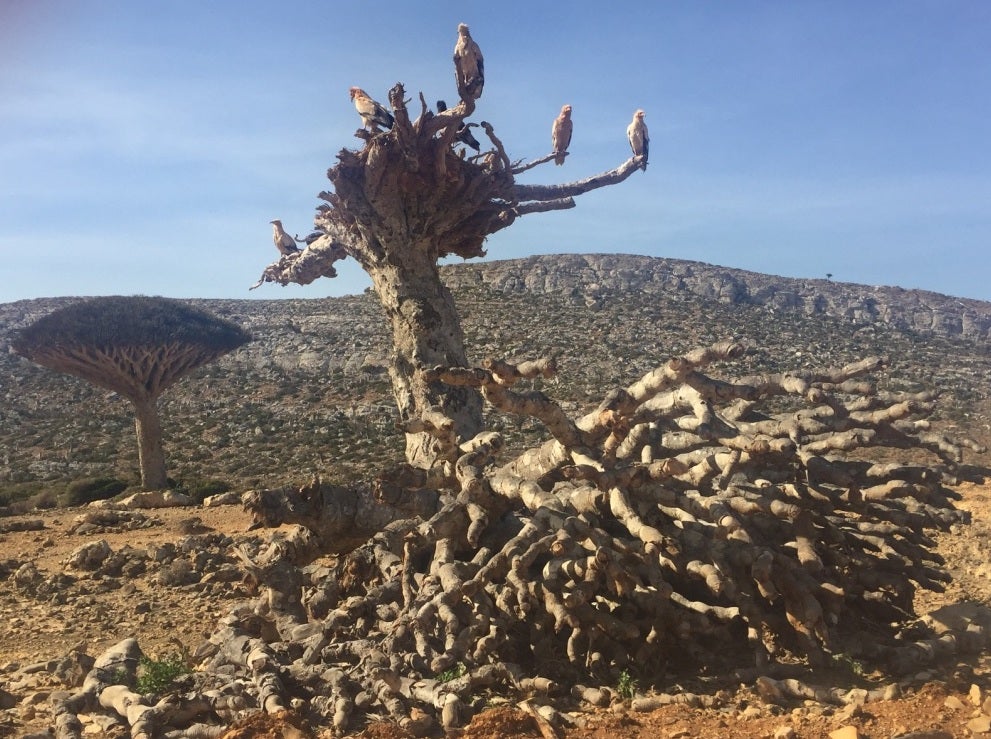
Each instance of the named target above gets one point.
<point>312,396</point>
<point>171,573</point>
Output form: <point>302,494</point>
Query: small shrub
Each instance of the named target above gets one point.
<point>849,665</point>
<point>42,501</point>
<point>160,675</point>
<point>198,490</point>
<point>452,673</point>
<point>19,492</point>
<point>82,492</point>
<point>626,686</point>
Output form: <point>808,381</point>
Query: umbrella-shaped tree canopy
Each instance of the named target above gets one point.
<point>136,346</point>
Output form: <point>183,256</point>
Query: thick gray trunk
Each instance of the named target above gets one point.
<point>151,454</point>
<point>426,332</point>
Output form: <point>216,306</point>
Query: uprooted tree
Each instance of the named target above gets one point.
<point>688,522</point>
<point>136,346</point>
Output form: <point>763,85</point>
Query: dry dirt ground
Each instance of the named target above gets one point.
<point>169,611</point>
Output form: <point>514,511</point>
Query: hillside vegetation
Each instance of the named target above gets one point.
<point>311,393</point>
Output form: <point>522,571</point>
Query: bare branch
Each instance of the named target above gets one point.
<point>571,189</point>
<point>316,261</point>
<point>506,164</point>
<point>535,162</point>
<point>538,206</point>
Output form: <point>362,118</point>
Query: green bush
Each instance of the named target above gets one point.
<point>160,675</point>
<point>86,491</point>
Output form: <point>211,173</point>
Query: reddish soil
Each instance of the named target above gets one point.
<point>949,700</point>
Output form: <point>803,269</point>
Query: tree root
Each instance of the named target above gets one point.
<point>683,519</point>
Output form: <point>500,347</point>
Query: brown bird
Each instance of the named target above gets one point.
<point>636,132</point>
<point>285,243</point>
<point>372,113</point>
<point>561,134</point>
<point>469,66</point>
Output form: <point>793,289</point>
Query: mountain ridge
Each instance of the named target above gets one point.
<point>902,308</point>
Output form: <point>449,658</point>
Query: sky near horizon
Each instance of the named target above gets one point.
<point>145,146</point>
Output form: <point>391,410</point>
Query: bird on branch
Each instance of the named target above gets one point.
<point>469,66</point>
<point>636,132</point>
<point>561,135</point>
<point>285,243</point>
<point>465,136</point>
<point>372,114</point>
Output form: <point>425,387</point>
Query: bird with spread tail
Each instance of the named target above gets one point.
<point>636,132</point>
<point>285,243</point>
<point>372,113</point>
<point>469,66</point>
<point>561,135</point>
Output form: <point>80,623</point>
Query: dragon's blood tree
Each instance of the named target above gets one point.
<point>137,347</point>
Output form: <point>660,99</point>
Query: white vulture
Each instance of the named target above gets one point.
<point>372,113</point>
<point>561,135</point>
<point>636,132</point>
<point>285,243</point>
<point>468,64</point>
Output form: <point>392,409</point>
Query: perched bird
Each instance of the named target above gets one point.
<point>372,114</point>
<point>469,67</point>
<point>636,132</point>
<point>285,243</point>
<point>441,106</point>
<point>561,134</point>
<point>466,137</point>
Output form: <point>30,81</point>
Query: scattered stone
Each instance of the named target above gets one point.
<point>156,499</point>
<point>19,525</point>
<point>89,556</point>
<point>845,732</point>
<point>891,692</point>
<point>855,697</point>
<point>27,576</point>
<point>73,668</point>
<point>980,725</point>
<point>192,525</point>
<point>36,698</point>
<point>229,498</point>
<point>785,732</point>
<point>975,695</point>
<point>953,703</point>
<point>852,711</point>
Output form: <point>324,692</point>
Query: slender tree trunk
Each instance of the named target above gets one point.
<point>151,453</point>
<point>426,332</point>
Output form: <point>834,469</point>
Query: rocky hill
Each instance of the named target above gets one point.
<point>594,276</point>
<point>311,393</point>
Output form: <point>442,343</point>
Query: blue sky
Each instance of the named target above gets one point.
<point>145,146</point>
